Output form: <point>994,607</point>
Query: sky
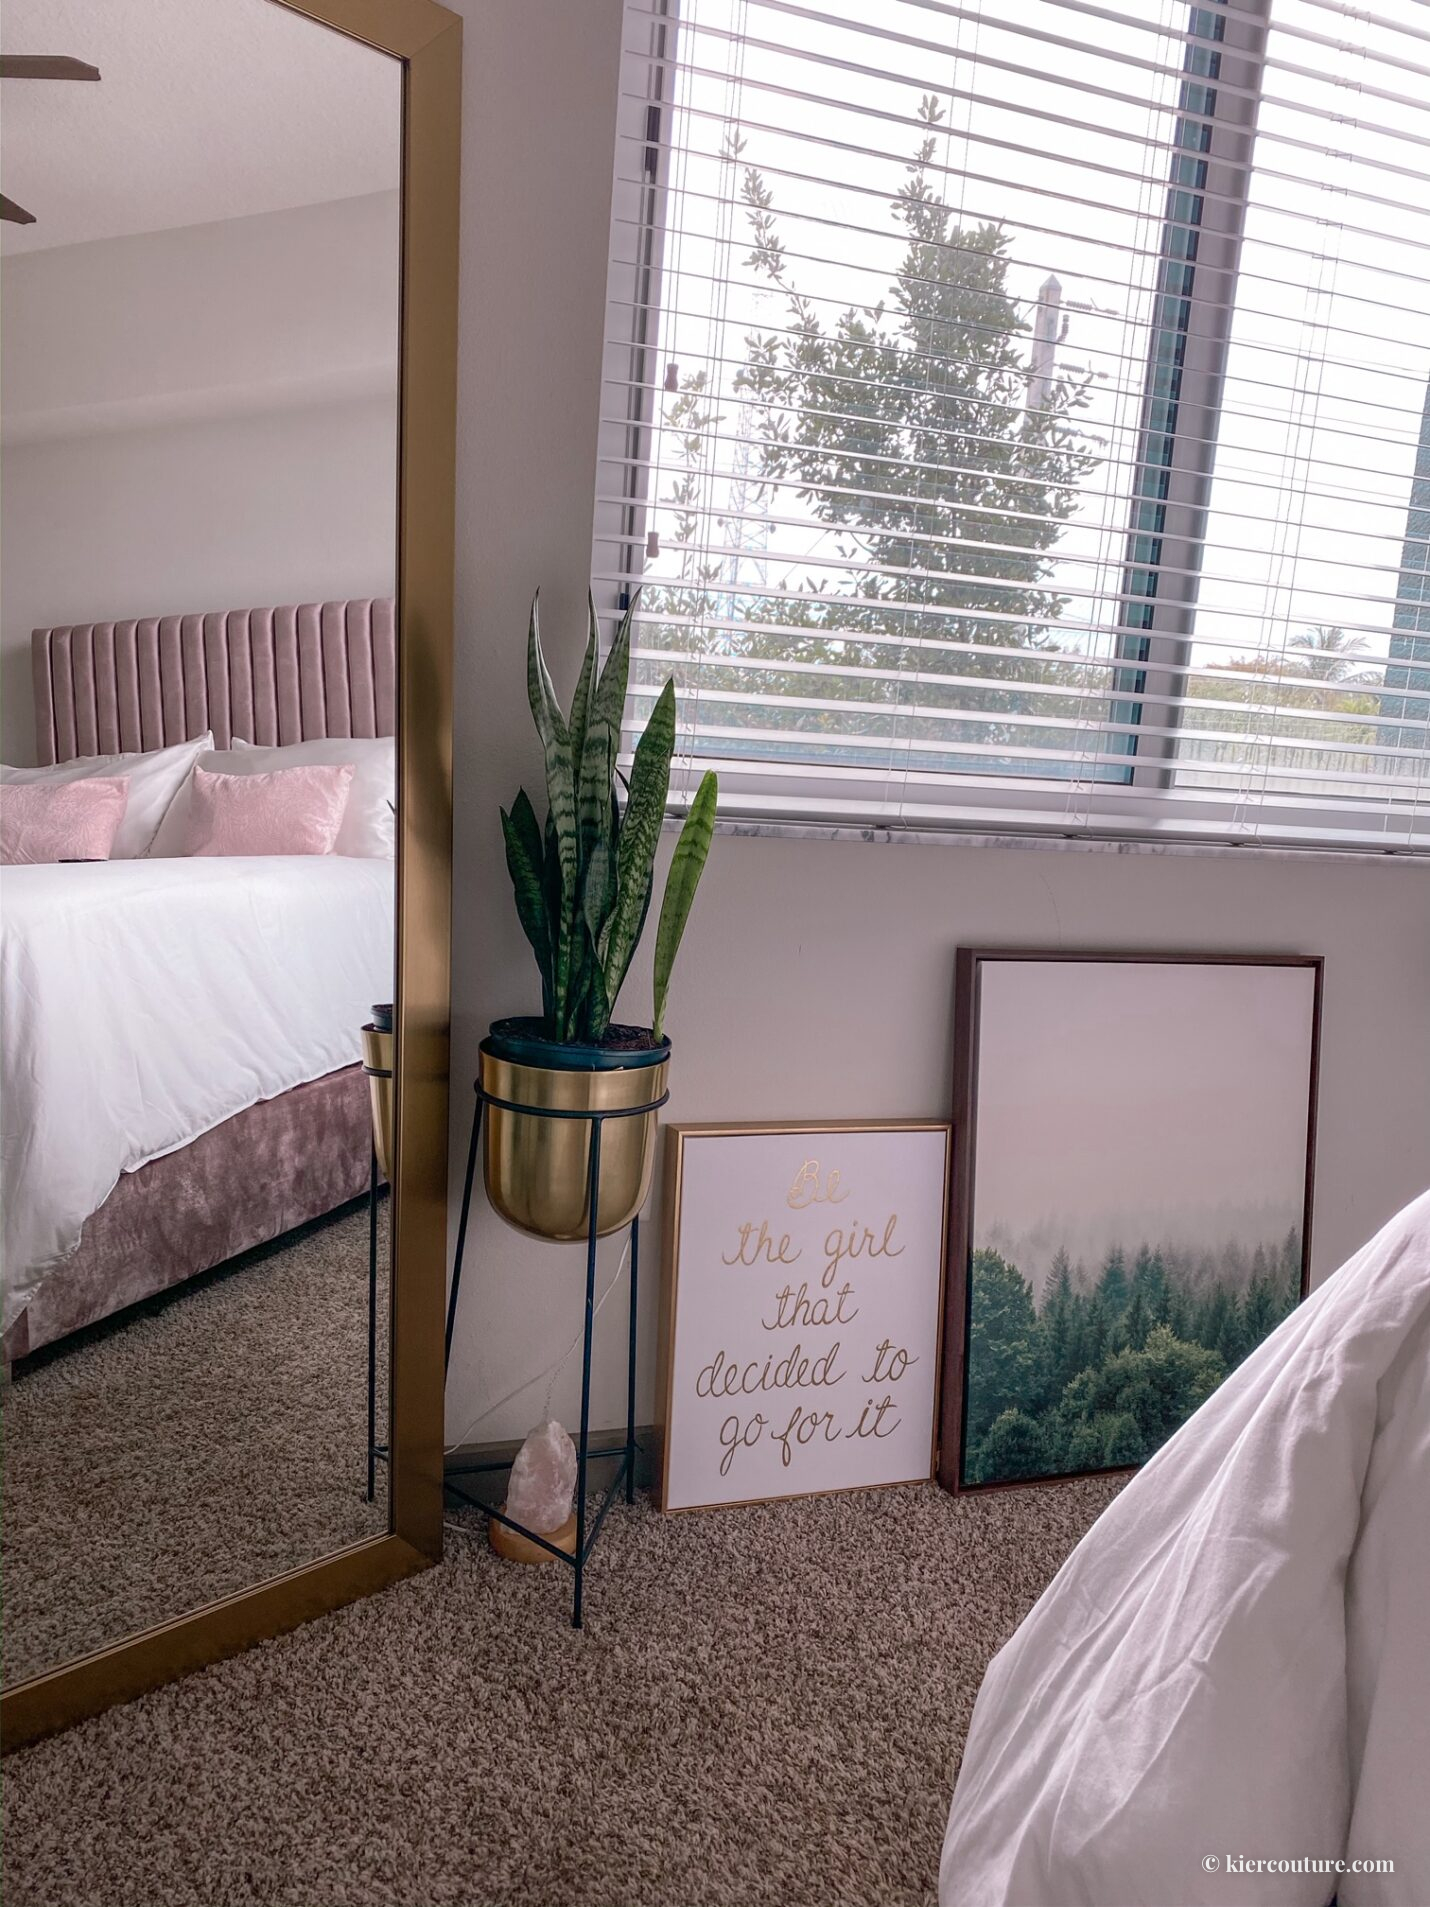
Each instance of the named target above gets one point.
<point>1056,129</point>
<point>1126,1101</point>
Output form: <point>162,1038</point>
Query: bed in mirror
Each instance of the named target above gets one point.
<point>227,447</point>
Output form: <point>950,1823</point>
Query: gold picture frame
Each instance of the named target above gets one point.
<point>427,39</point>
<point>675,1138</point>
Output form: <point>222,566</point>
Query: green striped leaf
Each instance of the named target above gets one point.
<point>640,834</point>
<point>597,1015</point>
<point>603,738</point>
<point>680,885</point>
<point>581,701</point>
<point>524,860</point>
<point>551,894</point>
<point>598,893</point>
<point>560,795</point>
<point>582,967</point>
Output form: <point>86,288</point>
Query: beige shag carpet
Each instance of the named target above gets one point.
<point>197,1444</point>
<point>767,1709</point>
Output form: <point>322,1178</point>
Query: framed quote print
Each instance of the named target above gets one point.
<point>804,1292</point>
<point>1132,1198</point>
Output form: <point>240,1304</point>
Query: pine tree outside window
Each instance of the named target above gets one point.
<point>1016,416</point>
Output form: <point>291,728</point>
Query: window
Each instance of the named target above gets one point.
<point>1016,411</point>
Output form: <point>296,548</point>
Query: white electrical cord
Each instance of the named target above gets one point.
<point>553,1371</point>
<point>464,1529</point>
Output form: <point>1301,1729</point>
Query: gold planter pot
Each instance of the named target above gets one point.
<point>537,1170</point>
<point>377,1064</point>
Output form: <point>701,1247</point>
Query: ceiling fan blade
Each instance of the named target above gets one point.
<point>15,214</point>
<point>44,66</point>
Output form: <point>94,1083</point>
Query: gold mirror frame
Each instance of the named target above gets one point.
<point>427,38</point>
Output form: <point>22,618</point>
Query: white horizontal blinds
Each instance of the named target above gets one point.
<point>918,318</point>
<point>1314,605</point>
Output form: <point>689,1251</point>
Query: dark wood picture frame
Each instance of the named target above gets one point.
<point>958,1282</point>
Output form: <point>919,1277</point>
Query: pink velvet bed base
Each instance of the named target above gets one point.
<point>258,1175</point>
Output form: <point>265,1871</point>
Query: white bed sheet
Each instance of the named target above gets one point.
<point>144,1002</point>
<point>1235,1661</point>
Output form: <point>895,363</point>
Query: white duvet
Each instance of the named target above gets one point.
<point>144,1002</point>
<point>1234,1664</point>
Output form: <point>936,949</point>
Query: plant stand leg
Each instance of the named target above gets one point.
<point>372,1331</point>
<point>631,1366</point>
<point>594,1193</point>
<point>462,1231</point>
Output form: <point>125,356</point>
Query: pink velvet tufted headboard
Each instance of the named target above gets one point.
<point>266,675</point>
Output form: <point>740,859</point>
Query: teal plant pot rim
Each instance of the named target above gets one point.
<point>514,1041</point>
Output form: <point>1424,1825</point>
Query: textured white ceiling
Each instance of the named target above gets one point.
<point>207,109</point>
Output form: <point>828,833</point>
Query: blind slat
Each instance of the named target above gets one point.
<point>1361,602</point>
<point>1205,668</point>
<point>1169,107</point>
<point>932,473</point>
<point>1079,164</point>
<point>1043,262</point>
<point>874,386</point>
<point>990,546</point>
<point>685,665</point>
<point>1360,195</point>
<point>937,613</point>
<point>1411,273</point>
<point>1263,742</point>
<point>1273,491</point>
<point>1130,23</point>
<point>1083,763</point>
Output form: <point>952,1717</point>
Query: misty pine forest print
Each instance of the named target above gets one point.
<point>1100,1369</point>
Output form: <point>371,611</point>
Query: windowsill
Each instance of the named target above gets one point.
<point>956,837</point>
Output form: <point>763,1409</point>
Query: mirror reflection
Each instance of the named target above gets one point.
<point>200,315</point>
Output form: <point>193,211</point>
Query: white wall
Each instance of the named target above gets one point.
<point>816,979</point>
<point>200,418</point>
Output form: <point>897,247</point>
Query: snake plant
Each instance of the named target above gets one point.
<point>583,879</point>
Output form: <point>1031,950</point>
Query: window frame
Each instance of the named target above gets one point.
<point>1167,507</point>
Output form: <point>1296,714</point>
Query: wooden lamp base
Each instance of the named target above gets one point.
<point>516,1548</point>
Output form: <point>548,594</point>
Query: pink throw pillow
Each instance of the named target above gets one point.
<point>61,821</point>
<point>291,811</point>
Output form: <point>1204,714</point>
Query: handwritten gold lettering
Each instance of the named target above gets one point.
<point>725,1376</point>
<point>803,1426</point>
<point>864,1428</point>
<point>734,1436</point>
<point>810,1189</point>
<point>798,1308</point>
<point>890,1363</point>
<point>858,1242</point>
<point>749,1250</point>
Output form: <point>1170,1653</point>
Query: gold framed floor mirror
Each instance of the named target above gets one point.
<point>147,665</point>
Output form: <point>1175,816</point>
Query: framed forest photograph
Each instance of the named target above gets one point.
<point>1131,1206</point>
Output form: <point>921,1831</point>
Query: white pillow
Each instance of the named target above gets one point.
<point>368,828</point>
<point>155,778</point>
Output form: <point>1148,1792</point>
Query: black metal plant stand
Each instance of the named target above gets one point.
<point>625,1472</point>
<point>376,1452</point>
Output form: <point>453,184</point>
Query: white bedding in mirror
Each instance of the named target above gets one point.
<point>144,1002</point>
